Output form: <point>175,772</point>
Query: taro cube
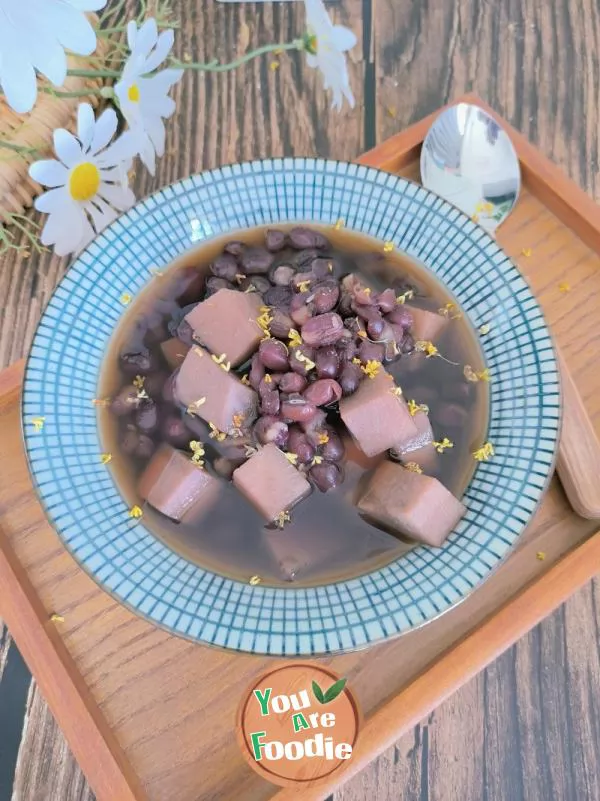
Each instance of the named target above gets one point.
<point>270,482</point>
<point>177,487</point>
<point>174,352</point>
<point>376,416</point>
<point>418,448</point>
<point>213,393</point>
<point>226,323</point>
<point>408,503</point>
<point>427,326</point>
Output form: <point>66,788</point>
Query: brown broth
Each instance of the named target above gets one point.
<point>229,540</point>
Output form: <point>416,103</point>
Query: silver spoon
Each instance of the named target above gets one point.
<point>469,160</point>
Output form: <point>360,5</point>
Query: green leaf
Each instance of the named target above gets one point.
<point>334,690</point>
<point>318,693</point>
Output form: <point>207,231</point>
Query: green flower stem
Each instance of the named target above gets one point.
<point>214,66</point>
<point>104,91</point>
<point>102,73</point>
<point>22,149</point>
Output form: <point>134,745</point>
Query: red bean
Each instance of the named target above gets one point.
<point>256,261</point>
<point>302,314</point>
<point>326,297</point>
<point>375,328</point>
<point>258,282</point>
<point>273,354</point>
<point>278,296</point>
<point>345,305</point>
<point>298,409</point>
<point>350,378</point>
<point>325,476</point>
<point>302,282</point>
<point>401,316</point>
<point>174,430</point>
<point>146,417</point>
<point>301,238</point>
<point>269,402</point>
<point>126,401</point>
<point>299,444</point>
<point>316,427</point>
<point>348,351</point>
<point>328,362</point>
<point>271,429</point>
<point>274,240</point>
<point>386,300</point>
<point>235,248</point>
<point>130,440</point>
<point>325,329</point>
<point>305,258</point>
<point>213,285</point>
<point>367,312</point>
<point>282,275</point>
<point>299,365</point>
<point>370,351</point>
<point>323,392</point>
<point>408,343</point>
<point>322,268</point>
<point>137,360</point>
<point>257,371</point>
<point>281,324</point>
<point>145,447</point>
<point>226,267</point>
<point>333,450</point>
<point>292,382</point>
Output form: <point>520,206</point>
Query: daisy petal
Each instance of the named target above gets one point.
<point>106,127</point>
<point>161,50</point>
<point>64,228</point>
<point>52,201</point>
<point>17,76</point>
<point>87,235</point>
<point>120,152</point>
<point>85,124</point>
<point>71,28</point>
<point>121,197</point>
<point>49,172</point>
<point>101,213</point>
<point>88,5</point>
<point>156,131</point>
<point>146,38</point>
<point>67,147</point>
<point>343,38</point>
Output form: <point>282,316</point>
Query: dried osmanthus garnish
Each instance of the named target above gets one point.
<point>194,407</point>
<point>303,286</point>
<point>413,467</point>
<point>484,453</point>
<point>323,438</point>
<point>282,518</point>
<point>265,320</point>
<point>414,407</point>
<point>295,340</point>
<point>408,295</point>
<point>476,375</point>
<point>216,434</point>
<point>38,423</point>
<point>197,450</point>
<point>450,311</point>
<point>105,458</point>
<point>443,444</point>
<point>222,361</point>
<point>291,457</point>
<point>308,363</point>
<point>126,298</point>
<point>135,512</point>
<point>485,329</point>
<point>371,368</point>
<point>254,580</point>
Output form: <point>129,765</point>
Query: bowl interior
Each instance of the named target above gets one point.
<point>93,520</point>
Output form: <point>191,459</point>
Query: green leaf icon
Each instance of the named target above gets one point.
<point>334,691</point>
<point>318,692</point>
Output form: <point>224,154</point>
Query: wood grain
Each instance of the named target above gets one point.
<point>534,62</point>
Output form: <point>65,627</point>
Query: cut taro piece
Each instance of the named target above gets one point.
<point>226,323</point>
<point>176,487</point>
<point>271,483</point>
<point>411,504</point>
<point>426,325</point>
<point>418,449</point>
<point>174,351</point>
<point>212,393</point>
<point>300,553</point>
<point>376,416</point>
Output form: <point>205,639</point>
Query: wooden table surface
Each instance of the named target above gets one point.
<point>528,727</point>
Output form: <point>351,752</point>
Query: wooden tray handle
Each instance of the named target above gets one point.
<point>578,463</point>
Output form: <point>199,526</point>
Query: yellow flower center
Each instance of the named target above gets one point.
<point>310,43</point>
<point>84,181</point>
<point>133,93</point>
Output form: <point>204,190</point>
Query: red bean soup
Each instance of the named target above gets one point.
<point>295,404</point>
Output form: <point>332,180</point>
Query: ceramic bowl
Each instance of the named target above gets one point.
<point>84,504</point>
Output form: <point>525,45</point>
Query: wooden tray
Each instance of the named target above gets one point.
<point>151,716</point>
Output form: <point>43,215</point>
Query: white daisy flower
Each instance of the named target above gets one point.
<point>143,97</point>
<point>33,36</point>
<point>89,181</point>
<point>326,45</point>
